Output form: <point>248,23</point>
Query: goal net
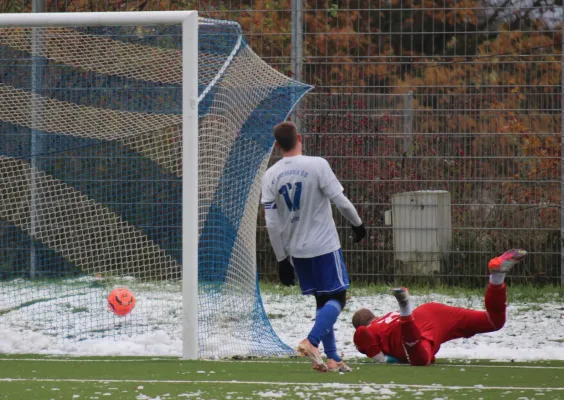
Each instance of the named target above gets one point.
<point>91,182</point>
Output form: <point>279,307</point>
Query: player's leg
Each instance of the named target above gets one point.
<point>331,279</point>
<point>473,322</point>
<point>418,350</point>
<point>334,362</point>
<point>328,340</point>
<point>496,292</point>
<point>304,270</point>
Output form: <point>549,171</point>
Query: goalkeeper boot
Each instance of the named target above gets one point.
<point>337,366</point>
<point>306,349</point>
<point>506,261</point>
<point>402,296</point>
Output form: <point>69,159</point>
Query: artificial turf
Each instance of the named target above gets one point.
<point>43,377</point>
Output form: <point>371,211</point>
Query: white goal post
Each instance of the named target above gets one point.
<point>189,22</point>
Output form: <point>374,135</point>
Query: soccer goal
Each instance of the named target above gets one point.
<point>131,152</point>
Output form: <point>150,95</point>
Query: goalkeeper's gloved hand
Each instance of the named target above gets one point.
<point>359,232</point>
<point>286,272</point>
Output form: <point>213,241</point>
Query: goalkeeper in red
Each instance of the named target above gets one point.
<point>415,336</point>
<point>297,193</point>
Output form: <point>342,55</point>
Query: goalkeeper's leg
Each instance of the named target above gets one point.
<point>448,323</point>
<point>418,351</point>
<point>493,319</point>
<point>496,298</point>
<point>472,322</point>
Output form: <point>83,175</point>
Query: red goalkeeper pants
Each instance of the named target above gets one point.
<point>433,324</point>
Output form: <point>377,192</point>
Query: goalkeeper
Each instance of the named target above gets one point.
<point>415,337</point>
<point>297,193</point>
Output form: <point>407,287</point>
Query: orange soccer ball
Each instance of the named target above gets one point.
<point>121,301</point>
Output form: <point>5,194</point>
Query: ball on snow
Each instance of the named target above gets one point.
<point>121,301</point>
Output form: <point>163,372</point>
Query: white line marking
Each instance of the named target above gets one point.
<point>293,361</point>
<point>432,365</point>
<point>501,366</point>
<point>321,385</point>
<point>78,360</point>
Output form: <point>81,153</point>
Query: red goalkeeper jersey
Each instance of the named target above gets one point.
<point>437,323</point>
<point>382,335</point>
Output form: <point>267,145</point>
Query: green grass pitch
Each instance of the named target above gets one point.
<point>43,377</point>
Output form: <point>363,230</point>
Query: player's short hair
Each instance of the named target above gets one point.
<point>286,135</point>
<point>362,317</point>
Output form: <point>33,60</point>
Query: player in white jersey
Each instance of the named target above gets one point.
<point>297,193</point>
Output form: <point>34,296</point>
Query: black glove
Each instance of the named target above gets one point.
<point>286,272</point>
<point>359,232</point>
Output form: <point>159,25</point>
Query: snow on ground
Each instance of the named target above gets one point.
<point>532,332</point>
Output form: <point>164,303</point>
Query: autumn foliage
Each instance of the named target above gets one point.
<point>486,113</point>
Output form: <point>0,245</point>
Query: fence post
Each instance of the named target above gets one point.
<point>562,164</point>
<point>297,50</point>
<point>407,122</point>
<point>37,6</point>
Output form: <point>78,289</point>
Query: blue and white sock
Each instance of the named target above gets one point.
<point>324,322</point>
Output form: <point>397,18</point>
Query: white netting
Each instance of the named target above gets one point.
<point>90,180</point>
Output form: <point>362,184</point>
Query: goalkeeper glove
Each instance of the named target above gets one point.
<point>393,360</point>
<point>359,232</point>
<point>286,272</point>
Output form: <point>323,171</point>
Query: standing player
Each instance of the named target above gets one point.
<point>297,193</point>
<point>415,337</point>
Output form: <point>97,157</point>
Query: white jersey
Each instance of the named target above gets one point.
<point>301,187</point>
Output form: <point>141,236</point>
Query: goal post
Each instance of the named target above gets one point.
<point>188,20</point>
<point>190,180</point>
<point>135,160</point>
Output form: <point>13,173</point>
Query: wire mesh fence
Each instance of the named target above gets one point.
<point>463,97</point>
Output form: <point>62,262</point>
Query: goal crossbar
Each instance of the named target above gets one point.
<point>39,20</point>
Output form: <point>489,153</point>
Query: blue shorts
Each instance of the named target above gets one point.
<point>323,274</point>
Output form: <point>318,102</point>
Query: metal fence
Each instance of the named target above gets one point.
<point>461,96</point>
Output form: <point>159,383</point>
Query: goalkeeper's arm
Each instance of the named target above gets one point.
<point>348,211</point>
<point>385,359</point>
<point>369,346</point>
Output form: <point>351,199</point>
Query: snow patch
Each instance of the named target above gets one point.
<point>271,395</point>
<point>531,333</point>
